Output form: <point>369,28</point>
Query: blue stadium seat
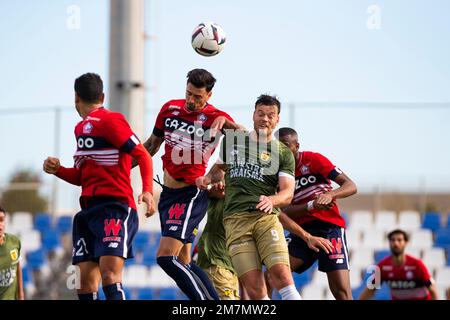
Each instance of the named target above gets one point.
<point>149,258</point>
<point>357,291</point>
<point>50,240</point>
<point>168,293</point>
<point>64,224</point>
<point>381,254</point>
<point>432,221</point>
<point>36,259</point>
<point>302,279</point>
<point>442,238</point>
<point>42,222</point>
<point>141,241</point>
<point>384,293</point>
<point>145,294</point>
<point>26,275</point>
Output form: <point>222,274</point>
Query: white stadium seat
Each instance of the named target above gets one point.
<point>30,240</point>
<point>135,276</point>
<point>361,258</point>
<point>434,258</point>
<point>422,239</point>
<point>319,279</point>
<point>443,277</point>
<point>361,220</point>
<point>385,220</point>
<point>311,292</point>
<point>415,252</point>
<point>353,237</point>
<point>409,220</point>
<point>355,276</point>
<point>374,239</point>
<point>159,278</point>
<point>22,221</point>
<point>151,224</point>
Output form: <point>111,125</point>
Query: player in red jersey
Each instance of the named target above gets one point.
<point>104,229</point>
<point>314,209</point>
<point>188,127</point>
<point>406,275</point>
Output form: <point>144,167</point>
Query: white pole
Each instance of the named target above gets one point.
<point>126,67</point>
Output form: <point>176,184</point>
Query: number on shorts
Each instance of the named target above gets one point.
<point>275,235</point>
<point>82,245</point>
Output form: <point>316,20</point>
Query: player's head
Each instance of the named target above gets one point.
<point>397,241</point>
<point>88,90</point>
<point>289,137</point>
<point>198,89</point>
<point>266,115</point>
<point>2,221</point>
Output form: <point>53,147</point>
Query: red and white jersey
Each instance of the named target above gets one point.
<point>409,281</point>
<point>104,141</point>
<point>187,147</point>
<point>313,172</point>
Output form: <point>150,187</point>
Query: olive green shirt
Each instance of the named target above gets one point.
<point>252,170</point>
<point>9,260</point>
<point>212,249</point>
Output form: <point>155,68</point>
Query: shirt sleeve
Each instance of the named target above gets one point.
<point>287,163</point>
<point>325,167</point>
<point>426,277</point>
<point>158,129</point>
<point>119,133</point>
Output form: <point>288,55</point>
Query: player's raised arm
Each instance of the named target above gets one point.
<point>53,166</point>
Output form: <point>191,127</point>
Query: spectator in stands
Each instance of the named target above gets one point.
<point>406,275</point>
<point>11,284</point>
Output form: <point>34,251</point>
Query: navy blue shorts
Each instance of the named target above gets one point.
<point>337,260</point>
<point>104,228</point>
<point>180,212</point>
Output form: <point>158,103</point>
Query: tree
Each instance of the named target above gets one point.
<point>22,193</point>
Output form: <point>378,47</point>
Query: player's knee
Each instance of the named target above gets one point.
<point>110,277</point>
<point>255,292</point>
<point>280,277</point>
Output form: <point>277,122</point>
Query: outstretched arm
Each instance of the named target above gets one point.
<point>53,166</point>
<point>152,145</point>
<point>214,175</point>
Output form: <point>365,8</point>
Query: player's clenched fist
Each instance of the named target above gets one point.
<point>147,198</point>
<point>51,165</point>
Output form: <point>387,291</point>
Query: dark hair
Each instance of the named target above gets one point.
<point>268,100</point>
<point>2,210</point>
<point>286,131</point>
<point>398,231</point>
<point>89,87</point>
<point>201,78</point>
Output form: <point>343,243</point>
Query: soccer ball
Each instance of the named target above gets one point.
<point>208,39</point>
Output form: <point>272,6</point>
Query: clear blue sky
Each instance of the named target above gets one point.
<point>303,51</point>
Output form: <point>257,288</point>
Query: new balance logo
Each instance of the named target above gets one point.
<point>176,211</point>
<point>113,245</point>
<point>173,228</point>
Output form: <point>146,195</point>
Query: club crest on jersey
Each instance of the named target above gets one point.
<point>265,156</point>
<point>409,275</point>
<point>87,128</point>
<point>304,169</point>
<point>201,117</point>
<point>14,254</point>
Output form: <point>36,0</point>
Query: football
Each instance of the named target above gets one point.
<point>208,39</point>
